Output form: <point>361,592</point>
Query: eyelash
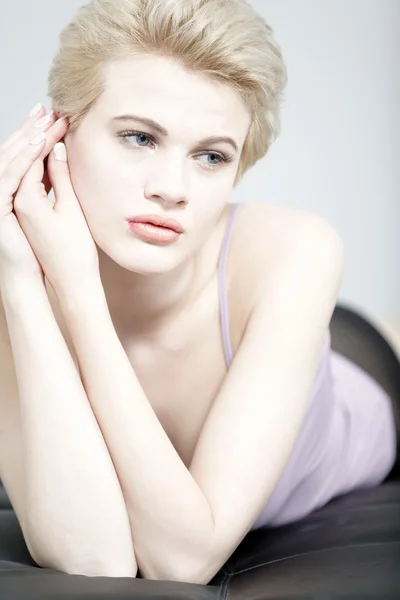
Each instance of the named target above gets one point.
<point>225,158</point>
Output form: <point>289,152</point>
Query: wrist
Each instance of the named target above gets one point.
<point>12,279</point>
<point>87,296</point>
<point>19,291</point>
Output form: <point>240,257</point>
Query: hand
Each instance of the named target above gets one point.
<point>58,233</point>
<point>17,156</point>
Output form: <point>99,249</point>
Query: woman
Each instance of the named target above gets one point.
<point>167,377</point>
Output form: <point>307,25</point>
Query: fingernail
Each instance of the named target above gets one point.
<point>35,110</point>
<point>60,152</point>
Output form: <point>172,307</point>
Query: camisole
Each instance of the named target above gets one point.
<point>347,439</point>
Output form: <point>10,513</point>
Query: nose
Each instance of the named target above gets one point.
<point>167,200</point>
<point>166,186</point>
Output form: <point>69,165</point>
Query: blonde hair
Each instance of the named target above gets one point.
<point>225,40</point>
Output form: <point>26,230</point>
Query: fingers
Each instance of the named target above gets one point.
<point>56,132</point>
<point>12,175</point>
<point>37,177</point>
<point>8,153</point>
<point>26,125</point>
<point>32,142</point>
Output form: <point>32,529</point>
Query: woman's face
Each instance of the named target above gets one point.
<point>171,174</point>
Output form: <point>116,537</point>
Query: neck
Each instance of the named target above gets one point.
<point>143,304</point>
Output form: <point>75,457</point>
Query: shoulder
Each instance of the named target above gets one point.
<point>268,238</point>
<point>280,228</point>
<point>280,254</point>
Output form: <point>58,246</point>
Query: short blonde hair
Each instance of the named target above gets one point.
<point>225,40</point>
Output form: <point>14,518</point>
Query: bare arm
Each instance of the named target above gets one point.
<point>75,518</point>
<point>187,522</point>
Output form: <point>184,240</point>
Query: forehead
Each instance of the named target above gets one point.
<point>159,87</point>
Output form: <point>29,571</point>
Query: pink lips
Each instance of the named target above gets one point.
<point>155,228</point>
<point>159,221</point>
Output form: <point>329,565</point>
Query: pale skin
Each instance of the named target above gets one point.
<point>197,450</point>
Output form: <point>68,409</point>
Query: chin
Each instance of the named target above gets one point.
<point>155,260</point>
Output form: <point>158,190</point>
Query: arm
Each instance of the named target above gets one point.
<point>166,507</point>
<point>186,523</point>
<point>75,516</point>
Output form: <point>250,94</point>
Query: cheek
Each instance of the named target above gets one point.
<point>90,179</point>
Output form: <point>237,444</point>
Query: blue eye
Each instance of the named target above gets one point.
<point>124,135</point>
<point>139,135</point>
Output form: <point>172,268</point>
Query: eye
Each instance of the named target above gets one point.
<point>134,134</point>
<point>222,158</point>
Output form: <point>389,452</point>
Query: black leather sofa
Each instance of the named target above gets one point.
<point>348,549</point>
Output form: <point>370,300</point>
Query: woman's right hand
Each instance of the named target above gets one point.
<point>17,154</point>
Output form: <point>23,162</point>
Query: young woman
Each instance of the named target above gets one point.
<point>167,382</point>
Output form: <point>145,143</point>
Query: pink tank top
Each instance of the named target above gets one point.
<point>348,436</point>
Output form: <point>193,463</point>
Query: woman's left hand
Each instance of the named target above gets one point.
<point>58,233</point>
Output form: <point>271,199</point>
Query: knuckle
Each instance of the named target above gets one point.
<point>7,179</point>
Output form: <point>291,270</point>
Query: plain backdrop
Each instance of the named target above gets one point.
<point>339,151</point>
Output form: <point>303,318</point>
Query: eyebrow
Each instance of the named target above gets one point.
<point>162,131</point>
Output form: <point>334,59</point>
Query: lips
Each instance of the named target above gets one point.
<point>159,221</point>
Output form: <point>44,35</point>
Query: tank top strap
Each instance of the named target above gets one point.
<point>222,286</point>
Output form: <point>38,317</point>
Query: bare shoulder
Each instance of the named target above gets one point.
<point>266,237</point>
<point>277,230</point>
<point>275,244</point>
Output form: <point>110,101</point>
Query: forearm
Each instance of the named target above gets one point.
<point>76,517</point>
<point>167,509</point>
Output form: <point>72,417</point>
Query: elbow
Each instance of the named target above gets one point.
<point>203,573</point>
<point>181,571</point>
<point>200,575</point>
<point>73,563</point>
<point>98,568</point>
<point>78,555</point>
<point>93,567</point>
<point>194,561</point>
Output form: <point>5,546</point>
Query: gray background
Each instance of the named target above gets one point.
<point>338,154</point>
